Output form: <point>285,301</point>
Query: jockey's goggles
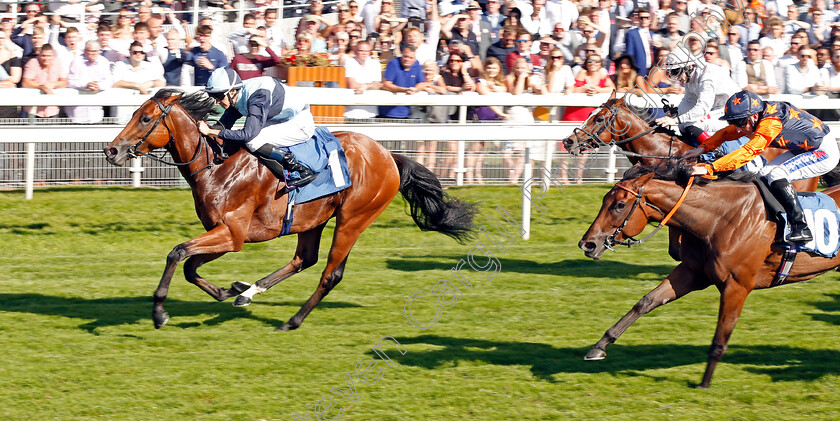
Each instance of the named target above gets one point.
<point>674,72</point>
<point>739,122</point>
<point>217,95</point>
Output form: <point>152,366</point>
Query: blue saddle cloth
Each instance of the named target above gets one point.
<point>824,220</point>
<point>325,156</point>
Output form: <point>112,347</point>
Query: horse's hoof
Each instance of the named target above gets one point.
<point>238,287</point>
<point>702,386</point>
<point>160,318</point>
<point>241,301</point>
<point>286,327</point>
<point>595,354</point>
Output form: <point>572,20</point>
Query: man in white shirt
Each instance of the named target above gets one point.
<point>363,74</point>
<point>72,48</point>
<point>755,74</point>
<point>89,73</point>
<point>562,11</point>
<point>426,50</point>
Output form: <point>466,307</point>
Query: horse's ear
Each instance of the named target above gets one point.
<point>644,179</point>
<point>613,94</point>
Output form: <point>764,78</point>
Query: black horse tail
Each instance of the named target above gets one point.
<point>430,207</point>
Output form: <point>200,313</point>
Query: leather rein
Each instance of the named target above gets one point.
<point>610,241</point>
<point>134,152</point>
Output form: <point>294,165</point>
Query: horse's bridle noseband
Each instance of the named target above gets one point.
<point>595,138</point>
<point>134,152</point>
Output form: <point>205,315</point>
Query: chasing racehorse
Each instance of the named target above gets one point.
<point>730,243</point>
<point>240,201</point>
<point>616,123</point>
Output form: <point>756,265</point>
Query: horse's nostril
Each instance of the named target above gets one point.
<point>110,151</point>
<point>587,246</point>
<point>568,144</point>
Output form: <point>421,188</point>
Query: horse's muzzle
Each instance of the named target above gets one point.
<point>591,249</point>
<point>115,155</point>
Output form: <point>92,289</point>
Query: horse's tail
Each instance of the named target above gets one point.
<point>430,207</point>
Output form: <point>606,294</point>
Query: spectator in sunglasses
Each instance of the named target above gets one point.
<point>524,40</point>
<point>137,73</point>
<point>251,64</point>
<point>755,74</point>
<point>804,76</point>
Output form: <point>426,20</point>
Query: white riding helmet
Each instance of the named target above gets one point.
<point>222,80</point>
<point>679,58</point>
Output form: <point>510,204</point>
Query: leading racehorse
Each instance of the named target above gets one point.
<point>617,123</point>
<point>731,244</point>
<point>240,201</point>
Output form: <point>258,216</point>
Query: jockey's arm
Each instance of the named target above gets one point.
<point>767,130</point>
<point>254,123</point>
<point>703,104</point>
<point>729,132</point>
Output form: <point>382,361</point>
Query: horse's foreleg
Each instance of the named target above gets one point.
<point>306,255</point>
<point>674,240</point>
<point>220,294</point>
<point>217,240</point>
<point>679,282</point>
<point>732,298</point>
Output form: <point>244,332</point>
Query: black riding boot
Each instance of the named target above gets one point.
<point>273,156</point>
<point>786,194</point>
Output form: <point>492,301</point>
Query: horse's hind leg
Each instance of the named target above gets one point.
<point>306,255</point>
<point>732,298</point>
<point>679,282</point>
<point>347,231</point>
<point>220,294</point>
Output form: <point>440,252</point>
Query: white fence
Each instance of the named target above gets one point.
<point>30,136</point>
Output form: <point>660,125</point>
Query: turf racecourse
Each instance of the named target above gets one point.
<point>79,265</point>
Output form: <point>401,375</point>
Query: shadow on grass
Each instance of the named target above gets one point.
<point>117,311</point>
<point>827,307</point>
<point>781,363</point>
<point>572,267</point>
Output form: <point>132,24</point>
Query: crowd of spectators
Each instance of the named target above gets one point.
<point>422,47</point>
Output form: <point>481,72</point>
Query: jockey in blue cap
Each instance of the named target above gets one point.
<point>811,149</point>
<point>274,117</point>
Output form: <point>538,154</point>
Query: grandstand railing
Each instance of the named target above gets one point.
<point>71,154</point>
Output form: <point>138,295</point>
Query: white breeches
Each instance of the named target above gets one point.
<point>298,129</point>
<point>792,167</point>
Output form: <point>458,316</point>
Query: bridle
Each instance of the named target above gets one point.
<point>610,241</point>
<point>595,137</point>
<point>134,151</point>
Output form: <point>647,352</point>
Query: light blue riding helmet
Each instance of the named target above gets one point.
<point>222,80</point>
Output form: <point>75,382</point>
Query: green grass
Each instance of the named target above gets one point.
<point>78,267</point>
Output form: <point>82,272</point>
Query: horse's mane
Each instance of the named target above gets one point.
<point>679,171</point>
<point>642,114</point>
<point>197,104</point>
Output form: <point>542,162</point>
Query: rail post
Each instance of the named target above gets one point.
<point>526,194</point>
<point>462,148</point>
<point>30,171</point>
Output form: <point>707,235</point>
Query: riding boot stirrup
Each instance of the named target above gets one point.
<point>786,194</point>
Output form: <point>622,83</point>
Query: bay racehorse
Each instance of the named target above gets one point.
<point>730,244</point>
<point>616,123</point>
<point>240,201</point>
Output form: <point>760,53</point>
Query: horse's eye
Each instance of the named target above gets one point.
<point>620,206</point>
<point>145,119</point>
